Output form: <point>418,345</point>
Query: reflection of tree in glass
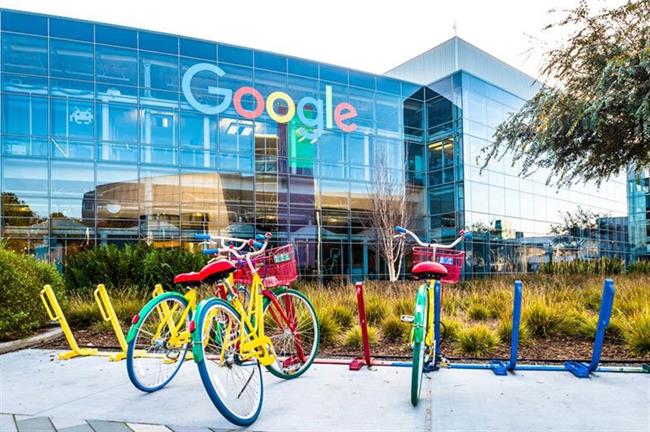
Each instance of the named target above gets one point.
<point>15,211</point>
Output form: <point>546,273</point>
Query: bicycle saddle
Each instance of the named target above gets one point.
<point>212,272</point>
<point>429,270</point>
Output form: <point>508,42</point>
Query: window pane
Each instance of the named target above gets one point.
<point>158,71</point>
<point>115,36</point>
<point>24,54</point>
<point>117,122</point>
<point>71,59</point>
<point>24,23</point>
<point>198,49</point>
<point>116,65</point>
<point>72,119</point>
<point>22,176</point>
<point>69,29</point>
<point>24,146</point>
<point>24,115</point>
<point>158,42</point>
<point>72,178</point>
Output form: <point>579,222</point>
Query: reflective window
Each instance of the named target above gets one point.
<point>24,54</point>
<point>24,23</point>
<point>71,59</point>
<point>20,177</point>
<point>158,42</point>
<point>70,29</point>
<point>24,146</point>
<point>158,71</point>
<point>72,118</point>
<point>72,178</point>
<point>116,65</point>
<point>159,128</point>
<point>117,122</point>
<point>198,49</point>
<point>235,55</point>
<point>110,35</point>
<point>270,61</point>
<point>302,67</point>
<point>24,115</point>
<point>25,84</point>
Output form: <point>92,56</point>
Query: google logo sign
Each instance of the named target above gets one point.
<point>313,113</point>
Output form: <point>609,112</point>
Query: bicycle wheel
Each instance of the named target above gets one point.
<point>291,323</point>
<point>419,343</point>
<point>233,384</point>
<point>152,360</point>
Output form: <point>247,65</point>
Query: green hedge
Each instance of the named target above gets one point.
<point>134,265</point>
<point>21,279</point>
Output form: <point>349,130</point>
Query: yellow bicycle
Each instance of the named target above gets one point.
<point>159,338</point>
<point>276,328</point>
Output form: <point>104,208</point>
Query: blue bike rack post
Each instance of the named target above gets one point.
<point>583,370</point>
<point>516,320</point>
<point>497,366</point>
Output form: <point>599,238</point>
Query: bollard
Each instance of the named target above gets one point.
<point>357,363</point>
<point>49,299</point>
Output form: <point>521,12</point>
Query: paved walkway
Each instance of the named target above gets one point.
<point>40,393</point>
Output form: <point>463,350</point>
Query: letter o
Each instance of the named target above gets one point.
<point>291,107</point>
<point>259,102</point>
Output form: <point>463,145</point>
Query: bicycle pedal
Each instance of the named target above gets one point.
<point>407,318</point>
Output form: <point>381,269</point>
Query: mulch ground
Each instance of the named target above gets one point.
<point>552,350</point>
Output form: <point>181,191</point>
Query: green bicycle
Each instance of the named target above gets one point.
<point>434,263</point>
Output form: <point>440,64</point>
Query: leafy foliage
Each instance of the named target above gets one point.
<point>596,120</point>
<point>138,265</point>
<point>21,279</point>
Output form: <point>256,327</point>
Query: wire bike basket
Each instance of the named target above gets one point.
<point>276,267</point>
<point>451,259</point>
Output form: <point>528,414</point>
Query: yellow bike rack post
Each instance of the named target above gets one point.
<point>49,299</point>
<point>108,314</point>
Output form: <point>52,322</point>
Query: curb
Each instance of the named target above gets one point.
<point>44,337</point>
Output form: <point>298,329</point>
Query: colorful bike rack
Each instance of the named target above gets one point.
<point>108,314</point>
<point>578,369</point>
<point>358,362</point>
<point>55,313</point>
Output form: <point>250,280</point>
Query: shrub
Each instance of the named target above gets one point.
<point>543,319</point>
<point>21,279</point>
<point>138,265</point>
<point>478,312</point>
<point>343,315</point>
<point>450,329</point>
<point>394,330</point>
<point>637,332</point>
<point>376,309</point>
<point>403,306</point>
<point>353,338</point>
<point>330,329</point>
<point>477,340</point>
<point>602,266</point>
<point>504,330</point>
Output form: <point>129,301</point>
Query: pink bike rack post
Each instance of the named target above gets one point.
<point>358,362</point>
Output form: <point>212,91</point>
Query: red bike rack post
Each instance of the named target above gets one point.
<point>358,362</point>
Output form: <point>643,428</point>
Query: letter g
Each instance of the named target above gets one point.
<point>187,90</point>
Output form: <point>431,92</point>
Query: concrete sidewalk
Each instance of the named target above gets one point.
<point>39,393</point>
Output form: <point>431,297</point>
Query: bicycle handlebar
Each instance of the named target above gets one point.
<point>403,232</point>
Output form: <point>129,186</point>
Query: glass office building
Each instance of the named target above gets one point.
<point>115,135</point>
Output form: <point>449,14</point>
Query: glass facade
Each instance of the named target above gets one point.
<point>112,135</point>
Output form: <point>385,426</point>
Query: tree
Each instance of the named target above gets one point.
<point>578,231</point>
<point>390,207</point>
<point>596,120</point>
